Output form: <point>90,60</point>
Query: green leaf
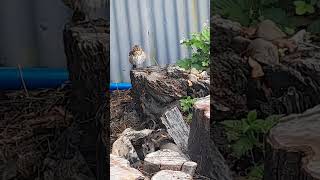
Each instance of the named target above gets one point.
<point>256,173</point>
<point>244,126</point>
<point>309,8</point>
<point>189,118</point>
<point>300,10</point>
<point>299,3</point>
<point>205,64</point>
<point>257,125</point>
<point>242,146</point>
<point>196,66</point>
<point>231,123</point>
<point>289,31</point>
<point>185,64</point>
<point>186,103</point>
<point>232,135</point>
<point>252,116</point>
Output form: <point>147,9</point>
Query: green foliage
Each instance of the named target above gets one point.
<point>187,103</point>
<point>245,134</point>
<point>289,15</point>
<point>248,134</point>
<point>303,7</point>
<point>256,173</point>
<point>200,45</point>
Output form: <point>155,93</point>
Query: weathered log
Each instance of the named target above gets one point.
<point>154,89</point>
<point>87,62</point>
<point>168,174</point>
<point>202,149</point>
<point>176,127</point>
<point>166,159</point>
<point>293,147</point>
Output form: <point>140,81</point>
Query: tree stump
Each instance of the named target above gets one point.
<point>156,88</point>
<point>293,150</point>
<point>202,149</point>
<point>88,65</point>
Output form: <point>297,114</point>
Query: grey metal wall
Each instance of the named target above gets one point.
<point>31,31</point>
<point>157,26</point>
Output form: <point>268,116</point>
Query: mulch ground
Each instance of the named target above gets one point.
<point>28,124</point>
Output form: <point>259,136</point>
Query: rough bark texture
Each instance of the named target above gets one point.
<point>294,147</point>
<point>176,127</point>
<point>202,149</point>
<point>294,83</point>
<point>157,88</point>
<point>86,51</point>
<point>232,86</point>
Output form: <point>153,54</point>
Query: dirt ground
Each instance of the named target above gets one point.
<point>122,114</point>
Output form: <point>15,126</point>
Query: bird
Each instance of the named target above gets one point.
<point>85,9</point>
<point>137,56</point>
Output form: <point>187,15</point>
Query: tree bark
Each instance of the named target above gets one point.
<point>177,127</point>
<point>202,149</point>
<point>293,84</point>
<point>154,89</point>
<point>87,60</point>
<point>293,148</point>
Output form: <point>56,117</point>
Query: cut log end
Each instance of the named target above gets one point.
<point>204,105</point>
<point>295,141</point>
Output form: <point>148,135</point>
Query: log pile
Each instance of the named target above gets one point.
<point>274,74</point>
<point>288,86</point>
<point>233,86</point>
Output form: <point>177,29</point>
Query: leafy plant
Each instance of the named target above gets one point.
<point>303,7</point>
<point>200,45</point>
<point>186,105</point>
<point>248,134</point>
<point>289,15</point>
<point>256,172</point>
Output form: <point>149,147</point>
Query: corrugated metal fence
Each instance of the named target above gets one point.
<point>156,25</point>
<point>31,31</point>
